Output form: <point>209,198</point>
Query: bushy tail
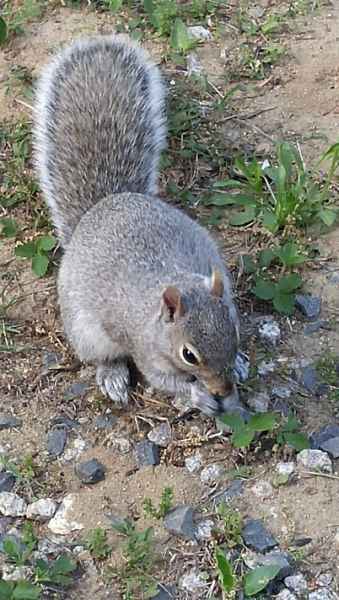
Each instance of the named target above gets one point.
<point>99,126</point>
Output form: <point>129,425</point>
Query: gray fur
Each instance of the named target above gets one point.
<point>124,246</point>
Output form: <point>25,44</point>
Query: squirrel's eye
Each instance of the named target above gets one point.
<point>189,356</point>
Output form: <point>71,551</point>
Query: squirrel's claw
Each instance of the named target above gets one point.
<point>113,381</point>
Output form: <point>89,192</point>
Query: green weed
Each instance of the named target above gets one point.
<point>231,524</point>
<point>37,252</point>
<point>97,544</point>
<point>165,505</point>
<point>14,18</point>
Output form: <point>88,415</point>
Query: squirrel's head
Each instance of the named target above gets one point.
<point>199,335</point>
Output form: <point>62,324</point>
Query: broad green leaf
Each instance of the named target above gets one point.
<point>243,437</point>
<point>263,422</point>
<point>270,221</point>
<point>286,156</point>
<point>26,591</point>
<point>229,183</point>
<point>284,303</point>
<point>3,31</point>
<point>114,5</point>
<point>327,216</point>
<point>290,254</point>
<point>289,283</point>
<point>221,200</point>
<point>298,441</point>
<point>149,6</point>
<point>244,217</point>
<point>266,257</point>
<point>292,423</point>
<point>27,250</point>
<point>40,265</point>
<point>46,243</point>
<point>64,565</point>
<point>225,573</point>
<point>234,421</point>
<point>263,289</point>
<point>249,264</point>
<point>181,39</point>
<point>9,227</point>
<point>6,589</point>
<point>255,581</point>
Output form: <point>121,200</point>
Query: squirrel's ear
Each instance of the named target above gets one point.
<point>172,305</point>
<point>217,284</point>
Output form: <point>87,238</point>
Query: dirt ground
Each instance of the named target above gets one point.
<point>299,100</point>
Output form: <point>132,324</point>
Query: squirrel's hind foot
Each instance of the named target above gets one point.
<point>114,380</point>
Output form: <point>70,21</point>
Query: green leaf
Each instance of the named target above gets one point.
<point>64,565</point>
<point>298,441</point>
<point>149,6</point>
<point>180,38</point>
<point>221,200</point>
<point>46,243</point>
<point>266,257</point>
<point>40,264</point>
<point>9,227</point>
<point>289,283</point>
<point>284,303</point>
<point>292,424</point>
<point>255,581</point>
<point>225,573</point>
<point>270,221</point>
<point>264,289</point>
<point>244,217</point>
<point>263,422</point>
<point>26,591</point>
<point>249,264</point>
<point>27,250</point>
<point>114,5</point>
<point>327,216</point>
<point>234,421</point>
<point>229,183</point>
<point>6,589</point>
<point>290,255</point>
<point>243,437</point>
<point>3,31</point>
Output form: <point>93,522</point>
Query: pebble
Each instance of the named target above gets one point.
<point>193,463</point>
<point>13,573</point>
<point>11,505</point>
<point>259,402</point>
<point>309,306</point>
<point>212,473</point>
<point>161,435</point>
<point>48,546</point>
<point>105,422</point>
<point>7,481</point>
<point>74,452</point>
<point>285,468</point>
<point>51,360</point>
<point>179,521</point>
<point>165,592</point>
<point>266,368</point>
<point>314,327</point>
<point>56,442</point>
<point>285,595</point>
<point>332,447</point>
<point>43,509</point>
<point>194,66</point>
<point>257,537</point>
<point>204,530</point>
<point>235,489</point>
<point>66,422</point>
<point>241,367</point>
<point>193,581</point>
<point>269,332</point>
<point>323,435</point>
<point>310,380</point>
<point>147,453</point>
<point>122,445</point>
<point>8,421</point>
<point>61,523</point>
<point>199,32</point>
<point>315,460</point>
<point>90,471</point>
<point>76,390</point>
<point>262,489</point>
<point>296,583</point>
<point>281,391</point>
<point>323,594</point>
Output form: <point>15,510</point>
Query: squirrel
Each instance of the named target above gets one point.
<point>140,283</point>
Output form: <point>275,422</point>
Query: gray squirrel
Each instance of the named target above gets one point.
<point>140,283</point>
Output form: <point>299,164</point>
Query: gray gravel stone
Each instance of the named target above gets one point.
<point>43,509</point>
<point>262,489</point>
<point>323,435</point>
<point>161,435</point>
<point>194,581</point>
<point>332,447</point>
<point>269,332</point>
<point>11,505</point>
<point>62,523</point>
<point>281,391</point>
<point>7,481</point>
<point>7,421</point>
<point>193,463</point>
<point>315,460</point>
<point>323,594</point>
<point>234,490</point>
<point>311,328</point>
<point>257,537</point>
<point>199,32</point>
<point>179,521</point>
<point>147,453</point>
<point>90,471</point>
<point>51,360</point>
<point>76,390</point>
<point>204,530</point>
<point>310,380</point>
<point>285,468</point>
<point>296,583</point>
<point>56,441</point>
<point>62,421</point>
<point>194,66</point>
<point>266,367</point>
<point>275,557</point>
<point>259,402</point>
<point>165,592</point>
<point>212,473</point>
<point>324,580</point>
<point>309,306</point>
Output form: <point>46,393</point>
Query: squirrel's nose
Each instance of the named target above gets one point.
<point>220,387</point>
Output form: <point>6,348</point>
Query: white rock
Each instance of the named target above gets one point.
<point>11,505</point>
<point>262,489</point>
<point>61,523</point>
<point>285,595</point>
<point>269,332</point>
<point>161,435</point>
<point>13,573</point>
<point>285,468</point>
<point>74,451</point>
<point>122,445</point>
<point>199,32</point>
<point>315,460</point>
<point>193,580</point>
<point>324,580</point>
<point>323,594</point>
<point>296,583</point>
<point>212,473</point>
<point>42,510</point>
<point>194,66</point>
<point>204,530</point>
<point>193,463</point>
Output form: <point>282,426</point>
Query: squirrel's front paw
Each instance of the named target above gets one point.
<point>113,381</point>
